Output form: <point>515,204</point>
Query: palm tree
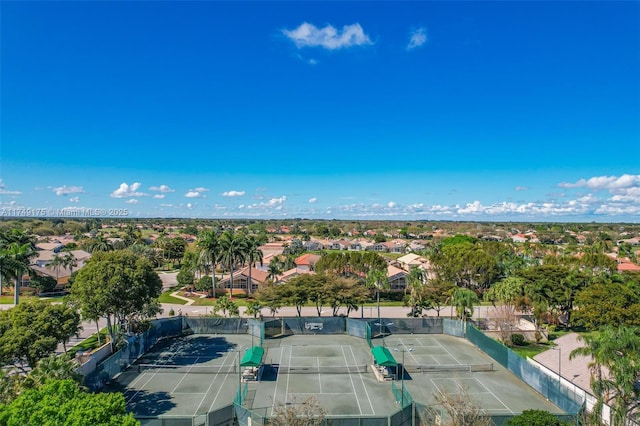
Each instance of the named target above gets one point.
<point>464,299</point>
<point>19,260</point>
<point>232,253</point>
<point>377,278</point>
<point>252,254</point>
<point>615,350</point>
<point>53,367</point>
<point>209,245</point>
<point>416,280</point>
<point>70,261</point>
<point>274,270</point>
<point>4,272</point>
<point>56,263</point>
<point>99,243</point>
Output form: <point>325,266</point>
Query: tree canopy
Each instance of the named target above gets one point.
<point>119,285</point>
<point>32,330</point>
<point>62,402</point>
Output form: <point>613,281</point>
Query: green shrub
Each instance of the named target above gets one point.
<point>517,339</point>
<point>535,418</point>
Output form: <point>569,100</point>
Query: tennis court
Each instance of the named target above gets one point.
<point>445,363</point>
<point>336,370</point>
<point>184,377</point>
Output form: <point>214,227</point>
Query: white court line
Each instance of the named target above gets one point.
<point>143,385</point>
<point>184,375</point>
<point>494,395</point>
<point>226,376</point>
<point>447,351</point>
<point>344,355</point>
<point>275,392</point>
<point>212,382</point>
<point>319,378</point>
<point>373,411</point>
<point>410,353</point>
<point>325,393</point>
<point>286,391</point>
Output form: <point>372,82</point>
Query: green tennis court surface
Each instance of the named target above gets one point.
<point>498,391</point>
<point>193,375</point>
<point>190,376</point>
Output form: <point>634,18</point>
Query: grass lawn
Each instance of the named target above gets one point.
<point>532,349</point>
<point>90,343</point>
<point>166,297</point>
<point>7,300</point>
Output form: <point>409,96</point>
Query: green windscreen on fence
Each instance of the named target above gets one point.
<point>486,344</point>
<point>548,386</point>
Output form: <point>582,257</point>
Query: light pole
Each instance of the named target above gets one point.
<point>380,324</point>
<point>250,331</point>
<point>402,377</point>
<point>239,376</point>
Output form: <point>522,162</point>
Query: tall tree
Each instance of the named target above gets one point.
<point>377,279</point>
<point>32,331</point>
<point>69,261</point>
<point>232,249</point>
<point>62,402</point>
<point>615,370</point>
<point>252,254</point>
<point>118,286</point>
<point>209,245</point>
<point>98,244</point>
<point>464,300</point>
<point>55,264</point>
<point>18,258</point>
<point>416,280</point>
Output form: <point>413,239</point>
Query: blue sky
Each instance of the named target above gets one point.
<point>354,110</point>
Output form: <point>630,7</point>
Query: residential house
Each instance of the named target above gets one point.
<point>306,262</point>
<point>378,247</point>
<point>410,260</point>
<point>55,247</point>
<point>313,245</point>
<point>241,280</point>
<point>396,278</point>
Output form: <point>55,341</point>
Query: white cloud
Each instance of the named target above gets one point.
<point>313,200</point>
<point>391,204</point>
<point>233,193</point>
<point>605,182</point>
<point>308,35</point>
<point>200,189</point>
<point>74,199</point>
<point>521,188</point>
<point>132,201</point>
<point>66,190</point>
<point>125,191</point>
<point>194,194</point>
<point>159,196</point>
<point>5,191</point>
<point>276,201</point>
<point>417,39</point>
<point>162,188</point>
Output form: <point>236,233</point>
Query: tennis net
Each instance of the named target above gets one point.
<point>349,369</point>
<point>443,368</point>
<point>196,369</point>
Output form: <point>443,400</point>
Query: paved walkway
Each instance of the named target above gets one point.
<point>176,294</point>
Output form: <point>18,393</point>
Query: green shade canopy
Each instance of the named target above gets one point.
<point>252,357</point>
<point>383,357</point>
